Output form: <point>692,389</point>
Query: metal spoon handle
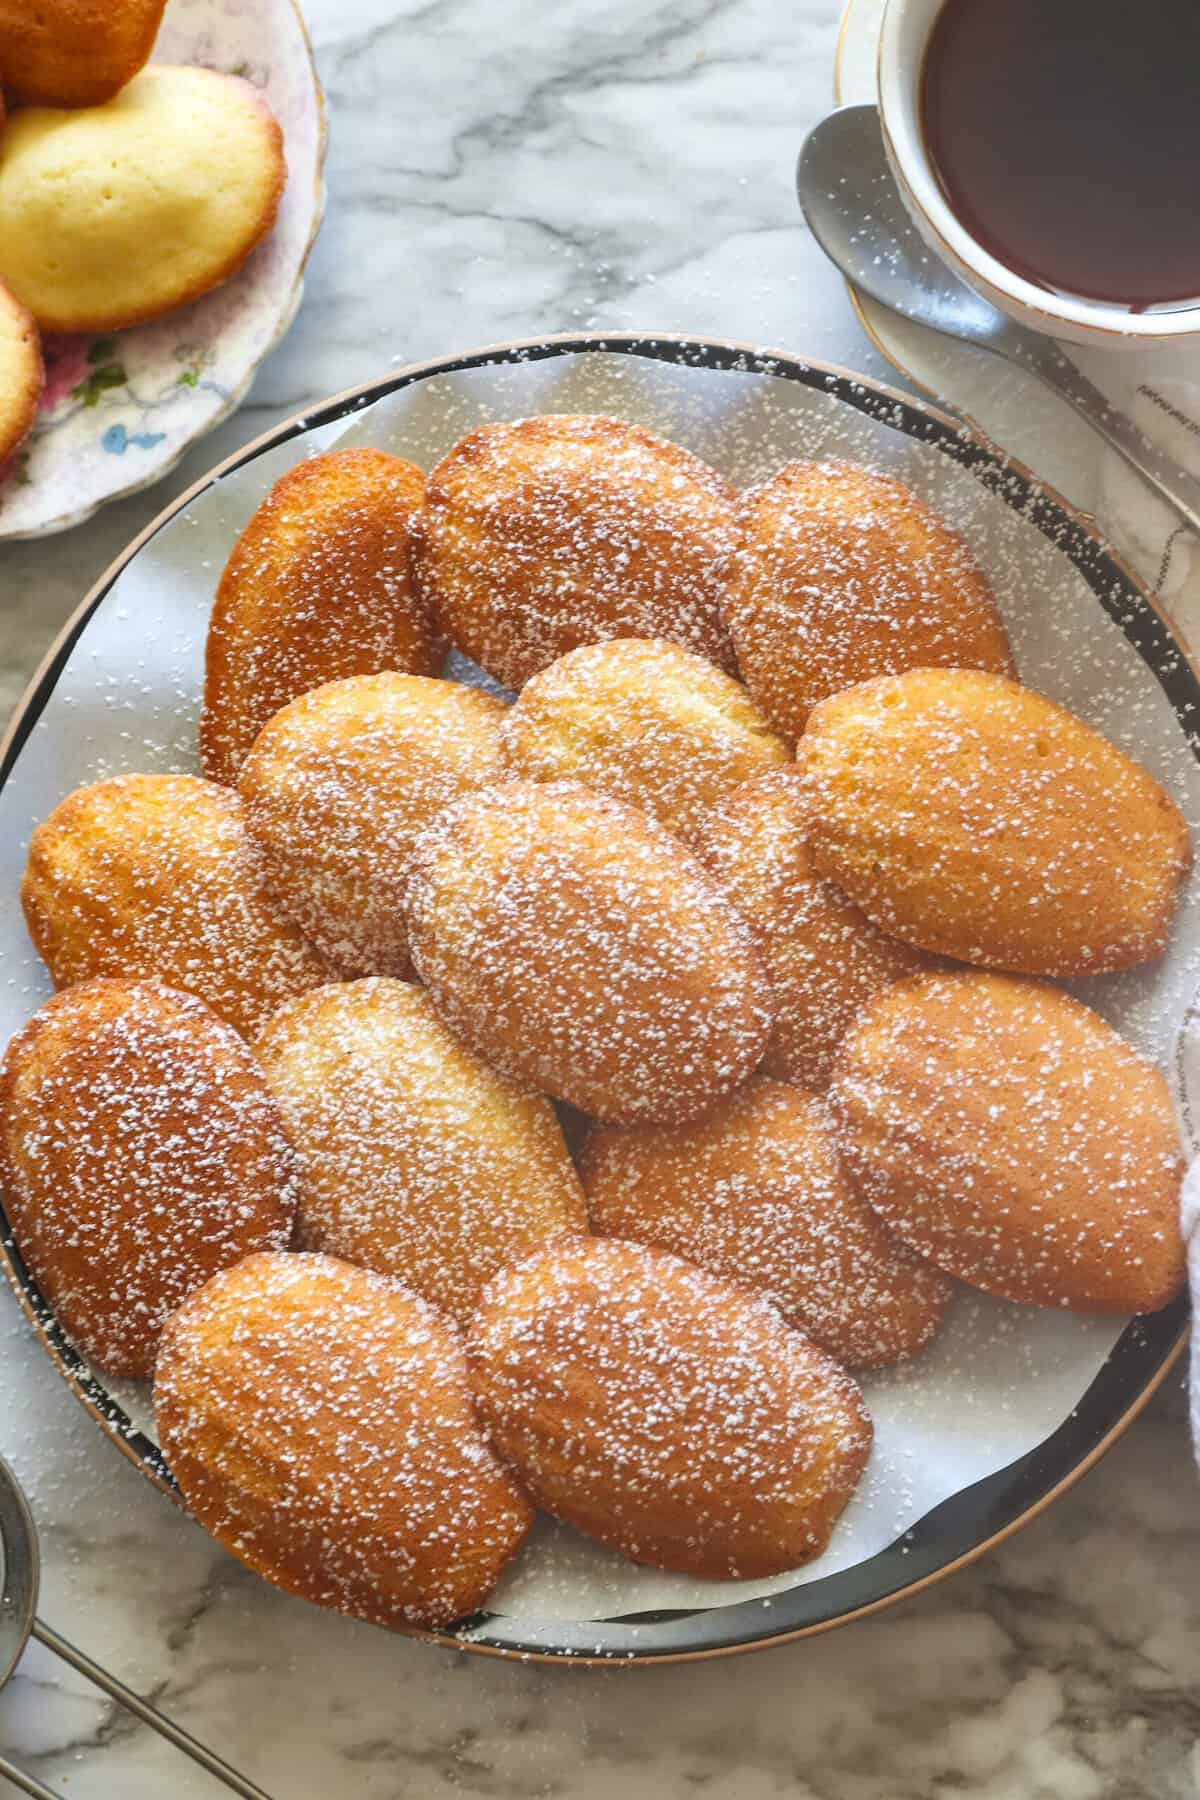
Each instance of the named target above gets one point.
<point>1177,487</point>
<point>141,1709</point>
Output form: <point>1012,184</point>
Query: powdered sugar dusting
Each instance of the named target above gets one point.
<point>140,1152</point>
<point>754,1192</point>
<point>546,533</point>
<point>674,1416</point>
<point>152,875</point>
<point>580,947</point>
<point>417,1160</point>
<point>336,790</point>
<point>644,721</point>
<point>319,1422</point>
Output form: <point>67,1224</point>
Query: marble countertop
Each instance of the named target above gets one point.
<point>500,168</point>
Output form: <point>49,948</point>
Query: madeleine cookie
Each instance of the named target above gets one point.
<point>22,374</point>
<point>1007,1133</point>
<point>320,586</point>
<point>824,957</point>
<point>841,574</point>
<point>644,721</point>
<point>153,875</point>
<point>578,946</point>
<point>140,1152</point>
<point>417,1160</point>
<point>74,52</point>
<point>115,214</point>
<point>754,1192</point>
<point>972,817</point>
<point>337,789</point>
<point>671,1415</point>
<point>552,532</point>
<point>318,1420</point>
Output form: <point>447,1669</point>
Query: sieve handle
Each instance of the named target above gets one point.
<point>28,1784</point>
<point>141,1709</point>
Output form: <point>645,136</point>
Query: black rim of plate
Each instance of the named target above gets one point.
<point>963,1526</point>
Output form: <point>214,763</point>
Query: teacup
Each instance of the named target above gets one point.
<point>904,39</point>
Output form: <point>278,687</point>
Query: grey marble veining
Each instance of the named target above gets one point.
<point>502,168</point>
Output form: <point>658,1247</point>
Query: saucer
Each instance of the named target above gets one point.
<point>119,409</point>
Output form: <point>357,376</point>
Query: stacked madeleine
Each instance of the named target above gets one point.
<point>775,950</point>
<point>125,190</point>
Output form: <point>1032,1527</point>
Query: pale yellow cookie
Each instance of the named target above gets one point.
<point>21,373</point>
<point>115,214</point>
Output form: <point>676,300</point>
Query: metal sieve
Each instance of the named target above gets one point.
<point>19,1566</point>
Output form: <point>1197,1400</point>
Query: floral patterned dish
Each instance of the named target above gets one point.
<point>119,411</point>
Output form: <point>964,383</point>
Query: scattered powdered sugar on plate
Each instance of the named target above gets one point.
<point>999,1379</point>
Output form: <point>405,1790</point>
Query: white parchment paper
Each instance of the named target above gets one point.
<point>1000,1378</point>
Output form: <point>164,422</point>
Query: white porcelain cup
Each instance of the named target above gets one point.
<point>907,25</point>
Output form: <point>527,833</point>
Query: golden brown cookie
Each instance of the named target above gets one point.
<point>318,1420</point>
<point>74,52</point>
<point>115,214</point>
<point>972,817</point>
<point>1006,1132</point>
<point>336,790</point>
<point>669,1414</point>
<point>140,1152</point>
<point>153,875</point>
<point>754,1192</point>
<point>22,374</point>
<point>644,721</point>
<point>824,957</point>
<point>417,1160</point>
<point>841,574</point>
<point>320,586</point>
<point>548,533</point>
<point>578,946</point>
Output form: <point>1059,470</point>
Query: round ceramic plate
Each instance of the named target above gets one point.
<point>966,1450</point>
<point>119,411</point>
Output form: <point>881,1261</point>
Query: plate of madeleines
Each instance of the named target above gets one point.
<point>160,189</point>
<point>599,1022</point>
